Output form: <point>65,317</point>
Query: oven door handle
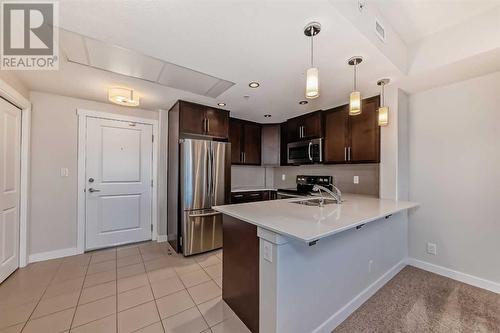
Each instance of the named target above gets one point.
<point>309,150</point>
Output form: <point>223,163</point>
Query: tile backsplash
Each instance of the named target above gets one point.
<point>243,176</point>
<point>343,176</point>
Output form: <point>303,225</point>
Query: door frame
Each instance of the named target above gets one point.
<point>83,114</point>
<point>13,96</point>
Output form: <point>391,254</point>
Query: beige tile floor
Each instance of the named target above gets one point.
<point>139,288</point>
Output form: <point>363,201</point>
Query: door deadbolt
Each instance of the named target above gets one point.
<point>91,180</point>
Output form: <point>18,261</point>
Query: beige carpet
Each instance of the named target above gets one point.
<point>419,301</point>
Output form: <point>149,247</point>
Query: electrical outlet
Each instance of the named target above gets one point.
<point>370,265</point>
<point>432,248</point>
<point>283,176</point>
<point>356,179</point>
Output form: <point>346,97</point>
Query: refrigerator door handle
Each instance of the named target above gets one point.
<point>205,214</point>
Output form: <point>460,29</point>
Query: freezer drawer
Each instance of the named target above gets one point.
<point>202,231</point>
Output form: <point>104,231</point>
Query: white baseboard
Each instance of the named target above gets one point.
<point>331,323</point>
<point>162,238</point>
<point>53,254</point>
<point>455,275</point>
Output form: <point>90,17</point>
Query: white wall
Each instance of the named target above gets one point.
<point>53,198</point>
<point>455,174</point>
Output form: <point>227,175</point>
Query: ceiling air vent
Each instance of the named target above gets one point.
<point>379,30</point>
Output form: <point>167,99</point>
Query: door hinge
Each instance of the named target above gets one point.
<point>151,228</point>
<point>151,183</point>
<point>152,138</point>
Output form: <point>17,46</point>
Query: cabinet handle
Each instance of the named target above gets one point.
<point>255,195</point>
<point>208,125</point>
<point>237,195</point>
<point>244,157</point>
<point>303,131</point>
<point>345,153</point>
<point>349,153</point>
<point>241,157</point>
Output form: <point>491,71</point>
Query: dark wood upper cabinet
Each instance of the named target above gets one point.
<point>251,143</point>
<point>336,134</point>
<point>353,139</point>
<point>271,144</point>
<point>245,138</point>
<point>236,140</point>
<point>197,119</point>
<point>305,127</point>
<point>365,133</point>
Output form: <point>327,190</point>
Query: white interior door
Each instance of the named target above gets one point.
<point>118,182</point>
<point>10,165</point>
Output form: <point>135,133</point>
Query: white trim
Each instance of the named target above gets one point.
<point>53,254</point>
<point>455,275</point>
<point>162,238</point>
<point>83,114</point>
<point>336,319</point>
<point>10,94</point>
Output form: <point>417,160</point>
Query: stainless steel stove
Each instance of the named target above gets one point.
<point>304,186</point>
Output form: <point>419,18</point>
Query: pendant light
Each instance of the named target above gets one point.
<point>355,97</point>
<point>312,74</point>
<point>383,110</point>
<point>123,96</point>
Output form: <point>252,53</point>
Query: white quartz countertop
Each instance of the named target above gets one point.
<point>310,223</point>
<point>251,189</point>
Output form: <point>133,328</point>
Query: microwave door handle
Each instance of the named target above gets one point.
<point>309,151</point>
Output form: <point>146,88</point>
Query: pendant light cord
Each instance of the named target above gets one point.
<point>383,99</point>
<point>312,47</point>
<point>355,69</point>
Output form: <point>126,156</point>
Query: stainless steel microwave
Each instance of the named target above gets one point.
<point>305,152</point>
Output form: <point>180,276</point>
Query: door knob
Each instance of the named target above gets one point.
<point>92,190</point>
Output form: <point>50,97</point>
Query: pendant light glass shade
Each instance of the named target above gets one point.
<point>355,96</point>
<point>355,103</point>
<point>312,83</point>
<point>383,110</point>
<point>383,116</point>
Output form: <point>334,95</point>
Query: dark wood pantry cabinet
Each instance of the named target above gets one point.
<point>200,120</point>
<point>245,139</point>
<point>353,139</point>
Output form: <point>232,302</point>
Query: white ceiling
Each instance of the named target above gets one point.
<point>416,19</point>
<point>239,41</point>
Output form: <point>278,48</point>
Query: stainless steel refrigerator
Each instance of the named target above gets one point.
<point>204,181</point>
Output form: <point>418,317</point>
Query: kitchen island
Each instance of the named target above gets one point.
<point>290,267</point>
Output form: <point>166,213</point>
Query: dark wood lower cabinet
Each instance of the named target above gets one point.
<point>240,270</point>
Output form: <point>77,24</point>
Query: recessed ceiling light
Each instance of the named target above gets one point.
<point>267,116</point>
<point>221,104</point>
<point>303,102</point>
<point>254,84</point>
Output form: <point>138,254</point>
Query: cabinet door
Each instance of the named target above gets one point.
<point>271,145</point>
<point>192,118</point>
<point>365,133</point>
<point>336,134</point>
<point>311,125</point>
<point>292,130</point>
<point>251,143</point>
<point>236,139</point>
<point>217,123</point>
<point>283,144</point>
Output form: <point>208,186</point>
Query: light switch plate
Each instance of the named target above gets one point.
<point>268,251</point>
<point>356,180</point>
<point>64,172</point>
<point>432,248</point>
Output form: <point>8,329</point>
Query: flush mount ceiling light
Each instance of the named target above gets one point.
<point>221,104</point>
<point>303,102</point>
<point>312,74</point>
<point>254,84</point>
<point>267,116</point>
<point>383,110</point>
<point>355,97</point>
<point>123,96</point>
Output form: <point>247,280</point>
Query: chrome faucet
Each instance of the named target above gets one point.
<point>337,196</point>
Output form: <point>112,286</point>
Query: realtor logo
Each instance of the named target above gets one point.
<point>29,38</point>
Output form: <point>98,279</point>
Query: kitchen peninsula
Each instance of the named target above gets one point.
<point>290,267</point>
